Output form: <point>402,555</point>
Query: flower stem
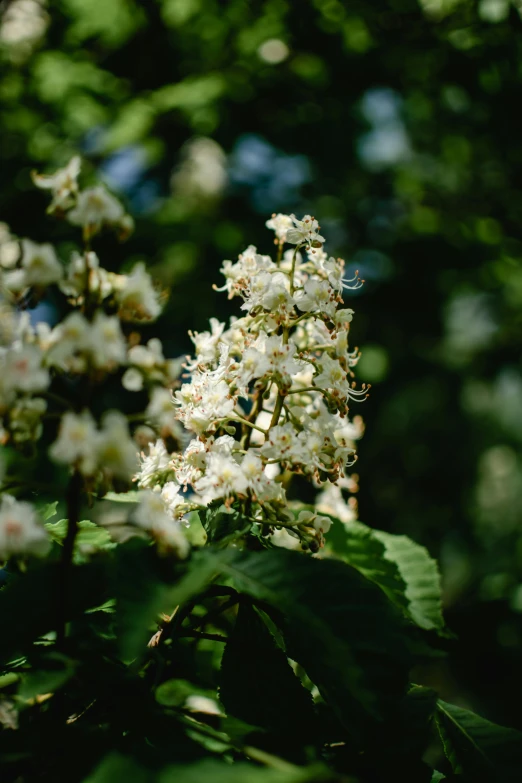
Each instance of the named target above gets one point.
<point>73,517</point>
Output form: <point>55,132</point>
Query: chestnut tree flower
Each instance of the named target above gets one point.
<point>21,532</point>
<point>278,382</point>
<point>63,185</point>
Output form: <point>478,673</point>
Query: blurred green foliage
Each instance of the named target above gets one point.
<point>393,122</point>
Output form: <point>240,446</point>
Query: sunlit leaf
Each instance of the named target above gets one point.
<point>401,567</point>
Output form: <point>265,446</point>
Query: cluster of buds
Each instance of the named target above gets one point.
<point>268,396</point>
<point>61,368</point>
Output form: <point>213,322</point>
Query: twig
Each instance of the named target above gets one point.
<point>73,517</point>
<point>213,637</point>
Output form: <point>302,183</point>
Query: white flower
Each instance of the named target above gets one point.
<point>106,342</point>
<point>285,539</point>
<point>206,343</point>
<point>22,370</point>
<point>20,531</point>
<point>96,207</point>
<point>77,442</point>
<point>25,418</point>
<point>151,515</point>
<point>330,501</point>
<point>279,442</point>
<point>85,273</point>
<point>14,281</point>
<point>304,231</point>
<point>39,263</point>
<point>347,434</point>
<point>277,297</point>
<point>63,184</point>
<point>9,248</point>
<point>146,356</point>
<point>262,487</point>
<point>160,409</point>
<point>253,469</point>
<point>154,466</point>
<point>136,296</point>
<point>280,224</point>
<point>317,295</point>
<point>132,380</point>
<point>69,341</point>
<point>174,501</point>
<point>115,450</point>
<point>253,364</point>
<point>190,465</point>
<point>240,275</point>
<point>343,317</point>
<point>223,477</point>
<point>204,401</point>
<point>332,375</point>
<point>161,413</point>
<point>280,356</point>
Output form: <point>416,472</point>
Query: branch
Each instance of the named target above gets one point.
<point>73,517</point>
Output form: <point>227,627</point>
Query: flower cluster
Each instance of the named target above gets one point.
<point>55,373</point>
<point>20,530</point>
<point>268,396</point>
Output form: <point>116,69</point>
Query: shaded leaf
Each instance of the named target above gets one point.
<point>210,771</point>
<point>174,693</point>
<point>220,522</point>
<point>340,627</point>
<point>257,683</point>
<point>143,592</point>
<point>33,597</point>
<point>477,748</point>
<point>115,768</point>
<point>59,669</point>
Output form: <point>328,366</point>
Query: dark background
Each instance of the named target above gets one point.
<point>398,125</point>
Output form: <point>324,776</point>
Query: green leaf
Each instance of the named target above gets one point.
<point>401,741</point>
<point>174,693</point>
<point>123,497</point>
<point>257,683</point>
<point>190,94</point>
<point>48,510</point>
<point>90,537</point>
<point>402,568</point>
<point>343,630</point>
<point>195,531</point>
<point>421,576</point>
<point>59,669</point>
<point>220,522</point>
<point>142,595</point>
<point>8,679</point>
<point>211,771</point>
<point>28,602</point>
<point>477,748</point>
<point>115,768</point>
<point>437,776</point>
